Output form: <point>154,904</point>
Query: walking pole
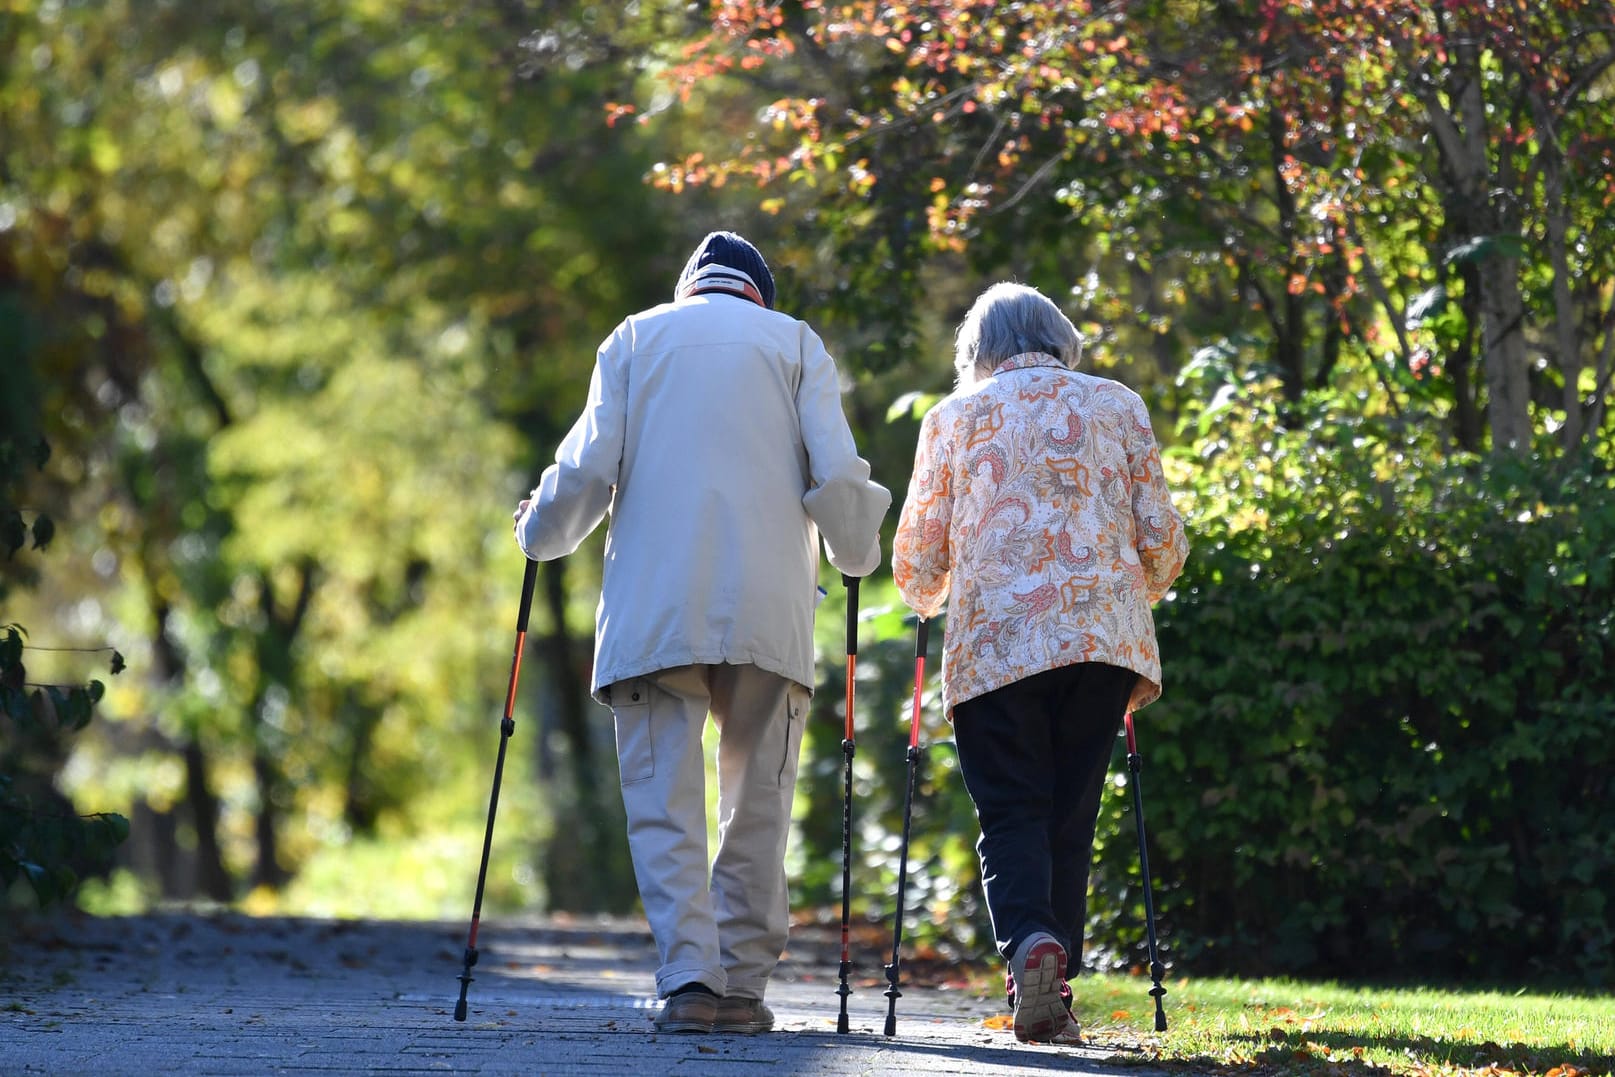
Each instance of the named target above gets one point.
<point>892,970</point>
<point>848,747</point>
<point>1157,970</point>
<point>506,728</point>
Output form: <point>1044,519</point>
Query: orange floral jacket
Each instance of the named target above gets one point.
<point>1037,511</point>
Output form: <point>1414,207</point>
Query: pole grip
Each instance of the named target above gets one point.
<point>1132,738</point>
<point>529,578</point>
<point>851,584</point>
<point>920,635</point>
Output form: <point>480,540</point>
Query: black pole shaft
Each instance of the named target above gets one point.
<point>1157,970</point>
<point>848,748</point>
<point>893,970</point>
<point>507,726</point>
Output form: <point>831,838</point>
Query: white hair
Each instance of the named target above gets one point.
<point>1011,319</point>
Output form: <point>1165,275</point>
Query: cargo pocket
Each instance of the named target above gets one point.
<point>630,710</point>
<point>797,699</point>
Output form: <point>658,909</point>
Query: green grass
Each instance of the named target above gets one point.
<point>1277,1026</point>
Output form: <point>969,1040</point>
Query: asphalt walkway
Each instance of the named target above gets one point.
<point>229,994</point>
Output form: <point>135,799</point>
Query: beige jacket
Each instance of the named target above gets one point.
<point>1038,512</point>
<point>714,437</point>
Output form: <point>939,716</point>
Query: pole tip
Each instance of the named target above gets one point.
<point>459,1010</point>
<point>891,1025</point>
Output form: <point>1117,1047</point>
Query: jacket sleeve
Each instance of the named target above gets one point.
<point>574,493</point>
<point>841,499</point>
<point>921,567</point>
<point>1162,545</point>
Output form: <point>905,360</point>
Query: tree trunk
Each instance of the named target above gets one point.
<point>572,692</point>
<point>1507,385</point>
<point>1457,116</point>
<point>212,877</point>
<point>266,869</point>
<point>275,667</point>
<point>1287,315</point>
<point>586,867</point>
<point>1461,366</point>
<point>1566,340</point>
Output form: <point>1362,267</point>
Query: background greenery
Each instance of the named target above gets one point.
<point>302,294</point>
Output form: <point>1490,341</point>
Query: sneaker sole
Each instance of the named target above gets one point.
<point>1039,1013</point>
<point>684,1026</point>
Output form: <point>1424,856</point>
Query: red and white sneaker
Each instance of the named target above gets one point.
<point>1038,966</point>
<point>1070,1035</point>
<point>1009,990</point>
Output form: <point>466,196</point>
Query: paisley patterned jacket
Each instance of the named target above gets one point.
<point>1037,511</point>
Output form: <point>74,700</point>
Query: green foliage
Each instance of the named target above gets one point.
<point>53,851</point>
<point>1385,743</point>
<point>42,840</point>
<point>308,290</point>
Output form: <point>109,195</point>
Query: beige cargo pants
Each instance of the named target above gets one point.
<point>724,926</point>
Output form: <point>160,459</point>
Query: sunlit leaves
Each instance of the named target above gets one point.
<point>1293,140</point>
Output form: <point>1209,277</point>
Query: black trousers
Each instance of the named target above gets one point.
<point>1033,755</point>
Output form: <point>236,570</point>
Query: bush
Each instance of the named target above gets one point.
<point>1387,740</point>
<point>42,839</point>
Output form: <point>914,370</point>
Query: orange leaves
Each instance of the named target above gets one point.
<point>616,110</point>
<point>795,114</point>
<point>741,17</point>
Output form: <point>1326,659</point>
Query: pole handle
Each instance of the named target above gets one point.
<point>920,635</point>
<point>851,584</point>
<point>529,578</point>
<point>1132,738</point>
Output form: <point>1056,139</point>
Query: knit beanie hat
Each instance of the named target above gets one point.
<point>727,262</point>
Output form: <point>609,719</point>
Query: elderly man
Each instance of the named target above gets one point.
<point>714,436</point>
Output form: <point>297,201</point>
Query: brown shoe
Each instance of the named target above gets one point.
<point>743,1015</point>
<point>692,1011</point>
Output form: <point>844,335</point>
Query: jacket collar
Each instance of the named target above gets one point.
<point>724,279</point>
<point>1028,359</point>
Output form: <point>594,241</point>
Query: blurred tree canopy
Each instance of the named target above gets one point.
<point>304,292</point>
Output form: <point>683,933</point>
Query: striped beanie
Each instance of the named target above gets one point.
<point>727,262</point>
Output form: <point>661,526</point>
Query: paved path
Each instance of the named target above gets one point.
<point>228,994</point>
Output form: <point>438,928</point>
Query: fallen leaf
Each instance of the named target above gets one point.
<point>999,1022</point>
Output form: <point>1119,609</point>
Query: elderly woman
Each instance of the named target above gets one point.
<point>1038,513</point>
